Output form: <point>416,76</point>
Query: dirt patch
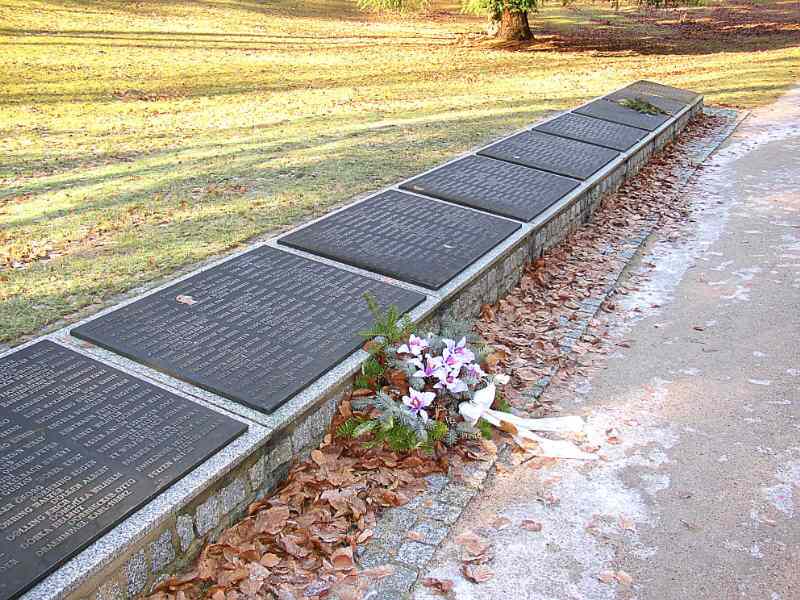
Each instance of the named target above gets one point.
<point>737,25</point>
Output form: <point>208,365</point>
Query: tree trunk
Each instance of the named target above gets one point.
<point>514,26</point>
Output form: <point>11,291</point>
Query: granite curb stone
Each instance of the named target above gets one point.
<point>430,532</point>
<point>414,554</point>
<point>136,572</point>
<point>162,552</point>
<point>184,525</point>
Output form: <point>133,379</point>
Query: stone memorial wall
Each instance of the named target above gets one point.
<point>609,110</point>
<point>594,131</point>
<point>108,440</point>
<point>552,153</point>
<point>495,186</point>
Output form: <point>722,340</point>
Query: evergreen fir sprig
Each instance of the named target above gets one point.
<point>389,327</point>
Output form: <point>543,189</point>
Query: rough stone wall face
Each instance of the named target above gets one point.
<point>176,543</point>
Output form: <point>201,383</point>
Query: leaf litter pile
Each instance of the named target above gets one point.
<point>527,328</point>
<point>301,541</point>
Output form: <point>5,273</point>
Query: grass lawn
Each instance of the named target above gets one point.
<point>140,137</point>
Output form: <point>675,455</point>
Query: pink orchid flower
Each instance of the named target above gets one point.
<point>429,367</point>
<point>417,402</point>
<point>458,351</point>
<point>474,370</point>
<point>449,379</point>
<point>414,346</point>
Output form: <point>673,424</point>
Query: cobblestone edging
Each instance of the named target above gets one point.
<point>431,517</point>
<point>591,306</point>
<point>407,537</point>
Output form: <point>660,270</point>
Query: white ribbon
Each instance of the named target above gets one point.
<point>480,407</point>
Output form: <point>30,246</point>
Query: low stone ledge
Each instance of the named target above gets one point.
<point>170,531</point>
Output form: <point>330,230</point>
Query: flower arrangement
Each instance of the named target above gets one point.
<point>410,388</point>
<point>418,392</point>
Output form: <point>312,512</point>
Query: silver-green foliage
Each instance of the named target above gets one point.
<point>396,426</point>
<point>495,8</point>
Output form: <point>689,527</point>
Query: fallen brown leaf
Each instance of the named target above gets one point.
<point>501,523</point>
<point>272,521</point>
<point>531,525</point>
<point>474,548</point>
<point>623,578</point>
<point>270,560</point>
<point>487,312</point>
<point>379,572</point>
<point>606,576</point>
<point>363,393</point>
<point>443,586</point>
<point>342,559</point>
<point>477,573</point>
<point>364,536</point>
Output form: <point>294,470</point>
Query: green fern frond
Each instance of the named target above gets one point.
<point>362,382</point>
<point>402,439</point>
<point>348,428</point>
<point>437,430</point>
<point>365,427</point>
<point>372,368</point>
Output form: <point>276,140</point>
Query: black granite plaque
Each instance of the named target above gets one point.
<point>82,445</point>
<point>594,131</point>
<point>256,329</point>
<point>686,97</point>
<point>552,153</point>
<point>609,110</point>
<point>666,105</point>
<point>413,239</point>
<point>495,186</point>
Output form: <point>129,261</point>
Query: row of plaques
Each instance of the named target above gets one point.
<point>83,444</point>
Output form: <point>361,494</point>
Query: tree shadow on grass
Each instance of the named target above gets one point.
<point>206,37</point>
<point>341,10</point>
<point>289,196</point>
<point>261,158</point>
<point>188,85</point>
